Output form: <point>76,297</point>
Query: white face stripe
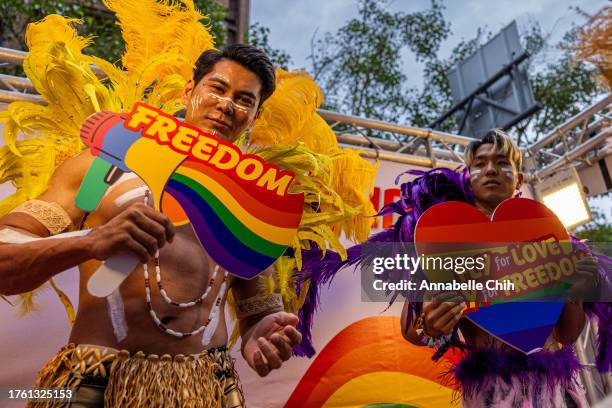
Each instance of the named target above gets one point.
<point>506,169</point>
<point>474,174</point>
<point>196,101</point>
<point>230,101</point>
<point>223,78</point>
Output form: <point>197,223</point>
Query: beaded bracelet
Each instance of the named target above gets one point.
<point>430,341</point>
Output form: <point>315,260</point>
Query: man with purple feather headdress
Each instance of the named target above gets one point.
<point>490,374</point>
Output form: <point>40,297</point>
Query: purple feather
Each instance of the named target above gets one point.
<point>430,188</point>
<point>600,311</point>
<point>319,270</point>
<point>603,313</point>
<point>555,368</point>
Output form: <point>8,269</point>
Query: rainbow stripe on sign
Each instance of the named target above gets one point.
<point>238,204</point>
<point>241,228</point>
<point>526,316</point>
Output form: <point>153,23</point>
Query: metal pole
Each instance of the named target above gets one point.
<point>404,158</point>
<point>12,96</point>
<point>575,153</point>
<point>390,145</point>
<point>332,117</point>
<point>570,123</point>
<point>16,57</point>
<point>559,147</point>
<point>22,84</point>
<point>11,56</point>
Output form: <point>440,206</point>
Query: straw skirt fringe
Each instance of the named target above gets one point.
<point>143,381</point>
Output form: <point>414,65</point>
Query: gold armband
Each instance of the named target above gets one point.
<point>259,304</point>
<point>49,214</point>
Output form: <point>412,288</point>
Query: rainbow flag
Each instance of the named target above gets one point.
<point>240,226</point>
<point>369,364</point>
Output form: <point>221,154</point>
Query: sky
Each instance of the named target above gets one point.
<point>293,23</point>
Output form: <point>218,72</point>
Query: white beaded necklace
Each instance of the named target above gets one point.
<point>210,326</point>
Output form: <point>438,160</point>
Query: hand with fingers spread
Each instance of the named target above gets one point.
<point>586,281</point>
<point>138,229</point>
<point>270,342</point>
<point>440,317</point>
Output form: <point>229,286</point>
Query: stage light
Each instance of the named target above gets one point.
<point>564,195</point>
<point>567,204</point>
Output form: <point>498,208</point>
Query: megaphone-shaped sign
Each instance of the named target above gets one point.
<point>238,205</point>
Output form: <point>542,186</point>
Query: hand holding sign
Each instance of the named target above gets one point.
<point>521,324</point>
<point>238,205</point>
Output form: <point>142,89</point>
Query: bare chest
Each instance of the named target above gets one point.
<point>184,264</point>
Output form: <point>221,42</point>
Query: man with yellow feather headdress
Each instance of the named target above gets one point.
<point>138,346</point>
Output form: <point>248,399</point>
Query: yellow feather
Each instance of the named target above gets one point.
<point>303,292</point>
<point>152,27</point>
<point>355,193</point>
<point>292,104</point>
<point>342,193</point>
<point>159,66</point>
<point>163,40</point>
<point>65,301</point>
<point>166,93</point>
<point>285,280</point>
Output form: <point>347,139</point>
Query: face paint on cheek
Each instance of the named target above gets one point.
<point>507,171</point>
<point>228,100</point>
<point>195,103</point>
<point>474,174</point>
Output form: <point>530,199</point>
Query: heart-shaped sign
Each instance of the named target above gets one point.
<point>523,325</point>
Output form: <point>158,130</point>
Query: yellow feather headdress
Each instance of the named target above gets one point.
<point>163,40</point>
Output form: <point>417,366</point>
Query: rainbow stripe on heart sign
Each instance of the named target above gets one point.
<point>238,205</point>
